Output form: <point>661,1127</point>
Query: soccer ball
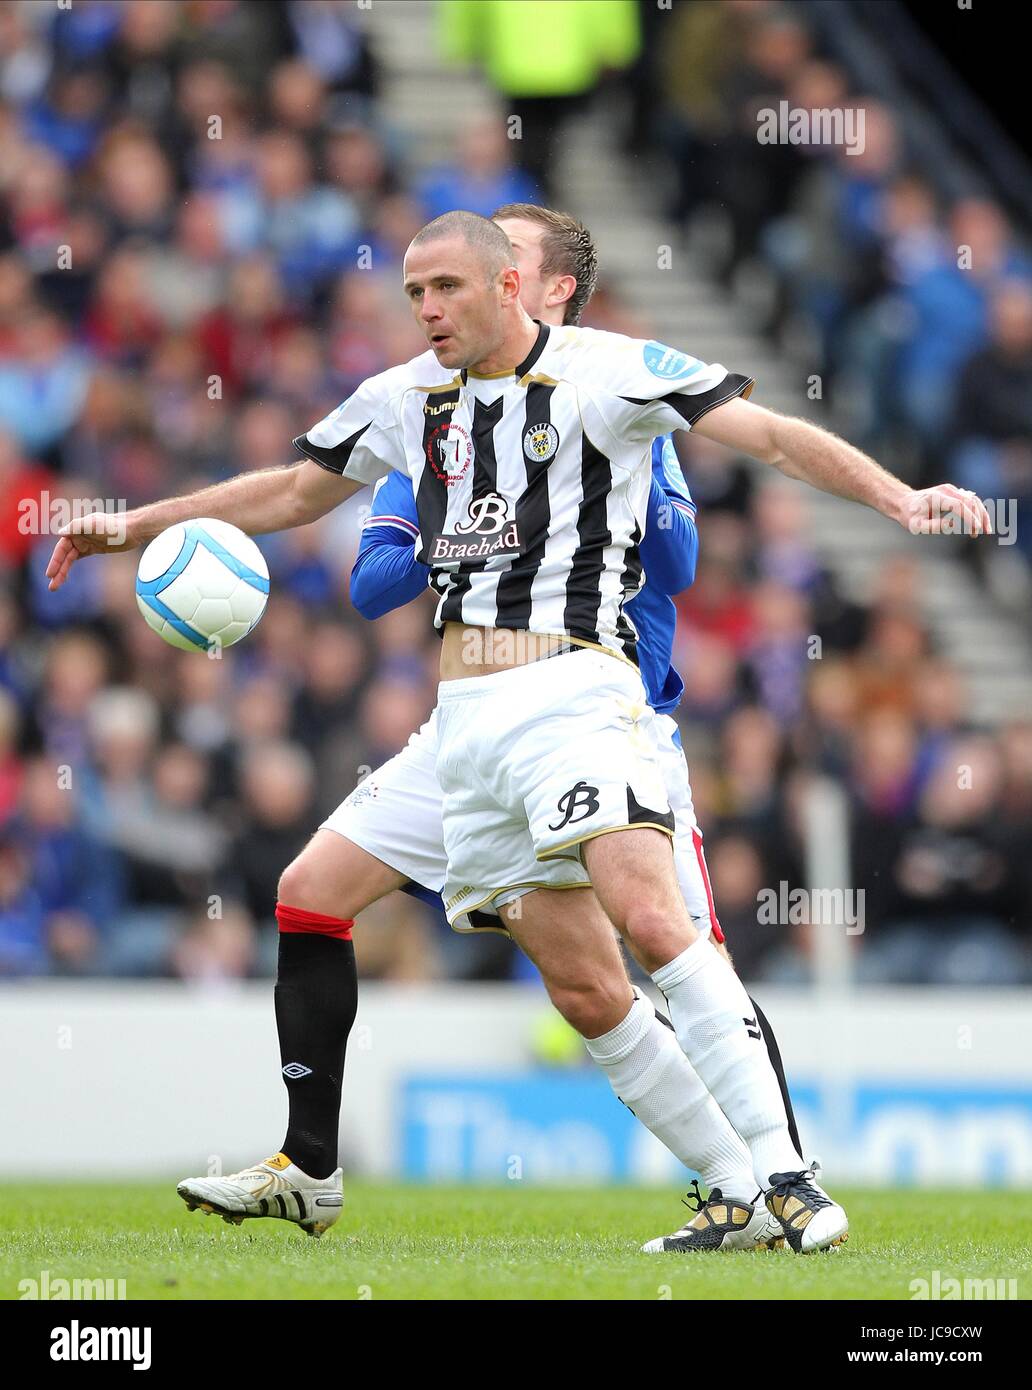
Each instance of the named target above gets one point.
<point>202,585</point>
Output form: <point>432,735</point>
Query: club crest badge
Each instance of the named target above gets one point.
<point>540,442</point>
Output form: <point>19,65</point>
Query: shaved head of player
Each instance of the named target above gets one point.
<point>462,283</point>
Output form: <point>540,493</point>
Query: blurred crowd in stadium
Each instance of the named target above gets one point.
<point>203,207</point>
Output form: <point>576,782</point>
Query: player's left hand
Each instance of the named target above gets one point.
<point>945,510</point>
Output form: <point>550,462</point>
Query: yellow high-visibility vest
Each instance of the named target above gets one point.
<point>536,48</point>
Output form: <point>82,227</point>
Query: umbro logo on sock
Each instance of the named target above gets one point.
<point>295,1070</point>
<point>750,1025</point>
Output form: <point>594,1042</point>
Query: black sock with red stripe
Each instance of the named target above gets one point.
<point>316,1003</point>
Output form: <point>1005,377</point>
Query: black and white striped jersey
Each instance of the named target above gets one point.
<point>531,486</point>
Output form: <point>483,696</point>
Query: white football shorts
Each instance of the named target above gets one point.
<point>396,814</point>
<point>533,762</point>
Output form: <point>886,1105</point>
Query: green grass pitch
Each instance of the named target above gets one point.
<point>398,1242</point>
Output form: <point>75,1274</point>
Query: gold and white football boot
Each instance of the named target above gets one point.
<point>721,1223</point>
<point>810,1219</point>
<point>276,1188</point>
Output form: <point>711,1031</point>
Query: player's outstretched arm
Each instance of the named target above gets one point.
<point>272,499</point>
<point>804,451</point>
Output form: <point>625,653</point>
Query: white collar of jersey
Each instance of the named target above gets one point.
<point>522,368</point>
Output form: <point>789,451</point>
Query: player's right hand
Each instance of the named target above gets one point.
<point>96,533</point>
<point>947,510</point>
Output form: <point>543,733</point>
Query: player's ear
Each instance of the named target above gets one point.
<point>510,283</point>
<point>562,291</point>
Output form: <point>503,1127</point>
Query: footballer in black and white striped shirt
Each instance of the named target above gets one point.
<point>528,449</point>
<point>531,483</point>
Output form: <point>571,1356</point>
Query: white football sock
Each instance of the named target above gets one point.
<point>654,1079</point>
<point>719,1035</point>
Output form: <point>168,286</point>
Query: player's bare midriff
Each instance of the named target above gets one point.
<point>483,651</point>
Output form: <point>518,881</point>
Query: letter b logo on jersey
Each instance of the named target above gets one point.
<point>488,524</point>
<point>487,515</point>
<point>580,802</point>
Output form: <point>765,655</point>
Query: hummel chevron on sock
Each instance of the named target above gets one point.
<point>718,1032</point>
<point>316,1003</point>
<point>651,1075</point>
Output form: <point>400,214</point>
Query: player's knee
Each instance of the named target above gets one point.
<point>301,887</point>
<point>594,1006</point>
<point>293,884</point>
<point>656,933</point>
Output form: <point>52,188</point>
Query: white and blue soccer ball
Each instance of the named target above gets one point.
<point>202,584</point>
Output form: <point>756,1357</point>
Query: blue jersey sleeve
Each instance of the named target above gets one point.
<point>670,547</point>
<point>386,574</point>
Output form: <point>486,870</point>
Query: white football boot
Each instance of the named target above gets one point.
<point>276,1188</point>
<point>809,1218</point>
<point>721,1223</point>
